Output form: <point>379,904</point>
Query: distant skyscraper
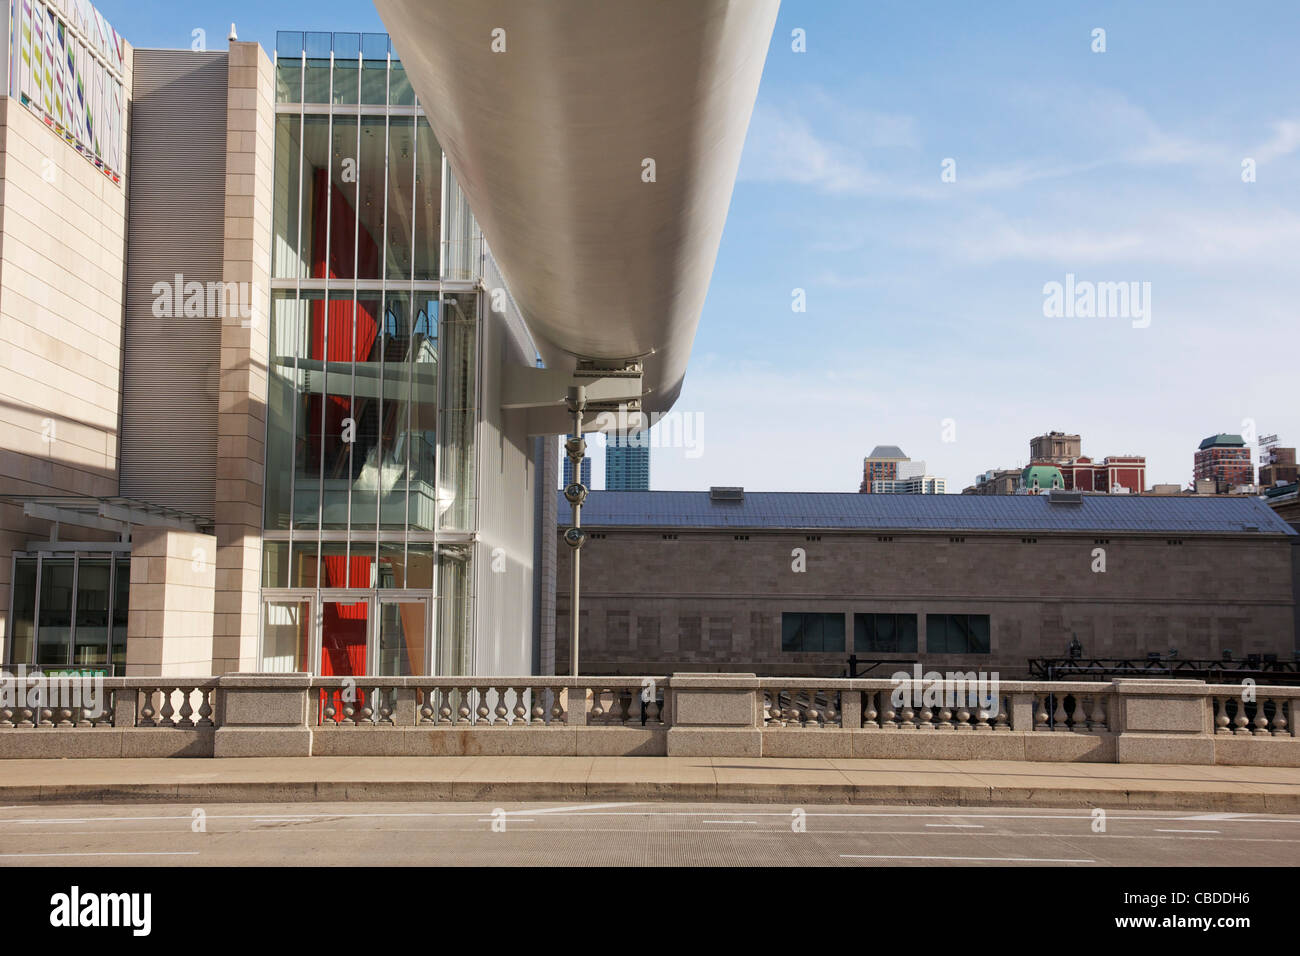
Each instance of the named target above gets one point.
<point>627,462</point>
<point>568,467</point>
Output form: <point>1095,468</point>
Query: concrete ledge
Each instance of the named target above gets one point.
<point>1164,748</point>
<point>261,742</point>
<point>715,742</point>
<point>52,743</point>
<point>1256,751</point>
<point>489,742</point>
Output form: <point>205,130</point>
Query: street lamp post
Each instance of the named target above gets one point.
<point>575,493</point>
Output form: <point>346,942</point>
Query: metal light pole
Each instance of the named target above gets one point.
<point>575,493</point>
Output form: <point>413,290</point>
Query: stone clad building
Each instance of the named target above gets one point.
<point>792,583</point>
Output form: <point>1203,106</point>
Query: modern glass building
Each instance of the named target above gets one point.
<point>371,508</point>
<point>627,462</point>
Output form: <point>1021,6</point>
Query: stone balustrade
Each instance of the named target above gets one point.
<point>1125,720</point>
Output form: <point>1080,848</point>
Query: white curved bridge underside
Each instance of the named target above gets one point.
<point>550,138</point>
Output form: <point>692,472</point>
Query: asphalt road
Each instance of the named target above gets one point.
<point>628,834</point>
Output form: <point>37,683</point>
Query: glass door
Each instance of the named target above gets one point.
<point>344,634</point>
<point>287,628</point>
<point>403,637</point>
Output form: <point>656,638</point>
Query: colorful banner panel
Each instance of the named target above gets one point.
<point>65,64</point>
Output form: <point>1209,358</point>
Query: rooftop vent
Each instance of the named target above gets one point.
<point>718,493</point>
<point>1059,496</point>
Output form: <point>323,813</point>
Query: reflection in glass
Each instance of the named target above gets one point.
<point>92,613</point>
<point>54,634</point>
<point>285,632</point>
<point>121,611</point>
<point>401,638</point>
<point>288,79</point>
<point>401,186</point>
<point>287,261</point>
<point>343,638</point>
<point>456,480</point>
<point>428,190</point>
<point>22,615</point>
<point>454,611</point>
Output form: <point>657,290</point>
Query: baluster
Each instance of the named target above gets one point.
<point>869,712</point>
<point>1279,718</point>
<point>557,706</point>
<point>945,718</point>
<point>500,712</point>
<point>833,716</point>
<point>368,712</point>
<point>652,716</point>
<point>907,714</point>
<point>205,707</point>
<point>1058,714</point>
<point>462,705</point>
<point>1002,719</point>
<point>440,698</point>
<point>427,712</point>
<point>186,718</point>
<point>812,715</point>
<point>484,715</point>
<point>1079,720</point>
<point>888,715</point>
<point>6,717</point>
<point>597,712</point>
<point>539,705</point>
<point>1241,721</point>
<point>926,715</point>
<point>521,706</point>
<point>1098,721</point>
<point>792,715</point>
<point>1261,718</point>
<point>1040,713</point>
<point>963,719</point>
<point>167,714</point>
<point>146,710</point>
<point>1221,719</point>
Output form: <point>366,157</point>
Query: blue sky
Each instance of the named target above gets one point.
<point>925,298</point>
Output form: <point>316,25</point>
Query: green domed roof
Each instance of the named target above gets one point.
<point>1045,476</point>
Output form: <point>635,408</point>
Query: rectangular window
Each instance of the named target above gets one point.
<point>812,631</point>
<point>884,633</point>
<point>957,633</point>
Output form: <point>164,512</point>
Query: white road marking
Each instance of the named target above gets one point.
<point>958,826</point>
<point>977,859</point>
<point>754,822</point>
<point>1158,830</point>
<point>108,853</point>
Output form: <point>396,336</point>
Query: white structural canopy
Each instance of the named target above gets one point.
<point>597,142</point>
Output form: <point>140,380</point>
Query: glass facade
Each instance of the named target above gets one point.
<point>372,397</point>
<point>68,611</point>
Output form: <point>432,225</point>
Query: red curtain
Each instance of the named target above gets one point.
<point>342,320</point>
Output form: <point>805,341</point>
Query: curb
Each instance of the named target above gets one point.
<point>531,791</point>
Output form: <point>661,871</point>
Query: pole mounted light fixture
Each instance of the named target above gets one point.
<point>575,493</point>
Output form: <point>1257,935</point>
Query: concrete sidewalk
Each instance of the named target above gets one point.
<point>767,780</point>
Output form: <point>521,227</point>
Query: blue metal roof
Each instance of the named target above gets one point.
<point>1172,514</point>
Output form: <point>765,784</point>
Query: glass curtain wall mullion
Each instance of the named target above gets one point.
<point>383,323</point>
<point>410,352</point>
<point>325,332</point>
<point>297,336</point>
<point>354,321</point>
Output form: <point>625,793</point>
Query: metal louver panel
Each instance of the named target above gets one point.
<point>171,359</point>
